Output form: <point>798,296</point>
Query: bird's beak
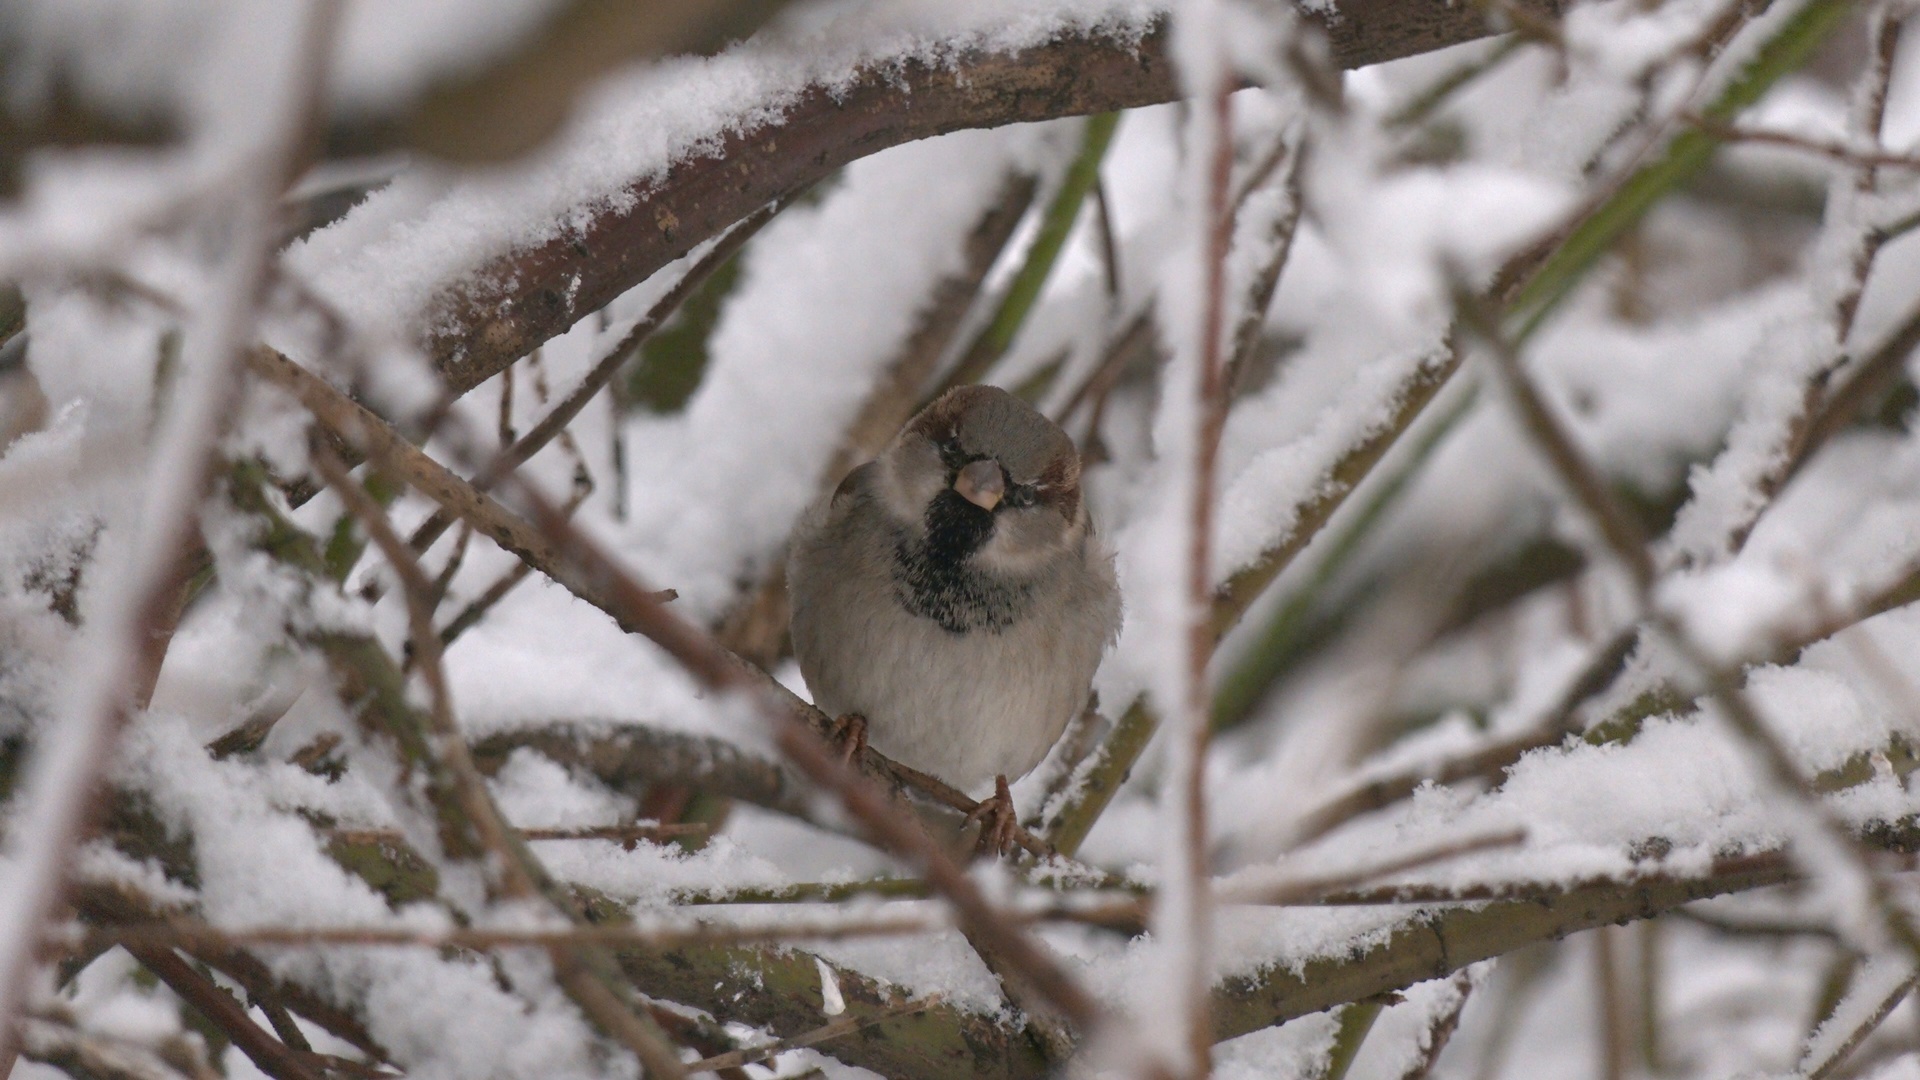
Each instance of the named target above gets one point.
<point>981,483</point>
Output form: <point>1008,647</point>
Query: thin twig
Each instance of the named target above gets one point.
<point>1627,544</point>
<point>1266,280</point>
<point>1300,890</point>
<point>1134,339</point>
<point>1185,914</point>
<point>602,372</point>
<point>1859,157</point>
<point>1056,224</point>
<point>1441,1027</point>
<point>652,832</point>
<point>1622,532</point>
<point>468,617</point>
<point>374,438</point>
<point>1883,1009</point>
<point>519,875</point>
<point>444,580</point>
<point>1870,378</point>
<point>272,1056</point>
<point>1765,928</point>
<point>189,934</point>
<point>1109,250</point>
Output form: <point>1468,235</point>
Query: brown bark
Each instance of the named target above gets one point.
<point>526,297</point>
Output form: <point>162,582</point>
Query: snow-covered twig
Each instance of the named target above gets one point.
<point>1626,543</point>
<point>1441,1027</point>
<point>141,595</point>
<point>1193,410</point>
<point>1769,445</point>
<point>619,356</point>
<point>464,804</point>
<point>1876,992</point>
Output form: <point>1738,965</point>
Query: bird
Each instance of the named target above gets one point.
<point>951,601</point>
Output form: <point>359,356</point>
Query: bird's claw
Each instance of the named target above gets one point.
<point>998,823</point>
<point>848,737</point>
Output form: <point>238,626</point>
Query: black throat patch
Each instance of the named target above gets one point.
<point>933,579</point>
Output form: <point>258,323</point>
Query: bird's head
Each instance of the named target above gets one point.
<point>981,475</point>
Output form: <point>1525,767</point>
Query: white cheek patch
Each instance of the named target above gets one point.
<point>905,497</point>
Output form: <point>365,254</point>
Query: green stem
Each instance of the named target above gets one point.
<point>1532,301</point>
<point>1685,156</point>
<point>1356,1021</point>
<point>1055,226</point>
<point>1264,660</point>
<point>1105,772</point>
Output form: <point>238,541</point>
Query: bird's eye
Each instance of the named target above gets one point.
<point>950,453</point>
<point>1021,495</point>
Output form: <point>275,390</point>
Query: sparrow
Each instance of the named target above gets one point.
<point>950,599</point>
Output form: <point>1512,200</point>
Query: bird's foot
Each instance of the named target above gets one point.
<point>998,822</point>
<point>848,737</point>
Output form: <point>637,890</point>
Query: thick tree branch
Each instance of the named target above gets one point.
<point>520,300</point>
<point>1445,941</point>
<point>631,758</point>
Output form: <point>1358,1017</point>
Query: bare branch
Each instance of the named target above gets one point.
<point>1624,537</point>
<point>602,372</point>
<point>464,804</point>
<point>361,429</point>
<point>272,1056</point>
